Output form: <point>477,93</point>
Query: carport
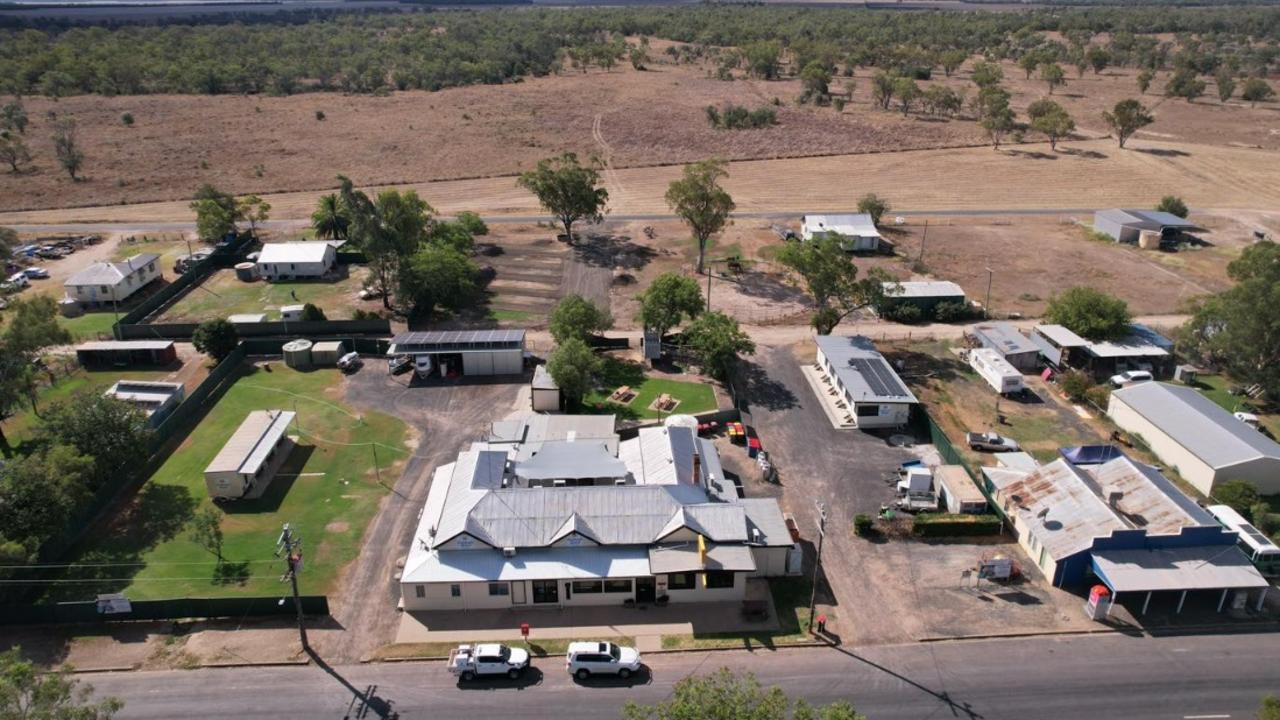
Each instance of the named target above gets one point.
<point>1218,568</point>
<point>474,352</point>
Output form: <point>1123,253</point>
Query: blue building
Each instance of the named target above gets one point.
<point>1123,524</point>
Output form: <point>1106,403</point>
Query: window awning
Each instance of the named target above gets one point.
<point>684,558</point>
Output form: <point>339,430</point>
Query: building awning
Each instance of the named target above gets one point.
<point>1214,567</point>
<point>584,563</point>
<point>684,558</point>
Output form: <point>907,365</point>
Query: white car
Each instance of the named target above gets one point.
<point>1130,377</point>
<point>350,361</point>
<point>1248,419</point>
<point>601,658</point>
<point>36,273</point>
<point>489,659</point>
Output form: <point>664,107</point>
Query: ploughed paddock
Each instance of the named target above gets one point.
<point>558,511</point>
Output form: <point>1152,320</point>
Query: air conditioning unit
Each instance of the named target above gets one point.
<point>558,483</point>
<point>508,552</point>
<point>620,481</point>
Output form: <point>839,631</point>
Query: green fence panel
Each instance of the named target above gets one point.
<point>951,455</point>
<point>172,609</point>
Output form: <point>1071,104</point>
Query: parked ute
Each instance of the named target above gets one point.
<point>1130,377</point>
<point>601,658</point>
<point>991,442</point>
<point>488,660</point>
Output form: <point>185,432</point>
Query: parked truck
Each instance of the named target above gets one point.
<point>469,662</point>
<point>991,442</point>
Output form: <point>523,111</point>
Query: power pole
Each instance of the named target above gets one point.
<point>817,561</point>
<point>290,546</point>
<point>923,238</point>
<point>986,308</point>
<point>708,269</point>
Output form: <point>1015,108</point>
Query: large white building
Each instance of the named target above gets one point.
<point>296,260</point>
<point>1188,431</point>
<point>113,282</point>
<point>569,521</point>
<point>874,394</point>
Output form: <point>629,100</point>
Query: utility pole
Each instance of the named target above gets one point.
<point>923,238</point>
<point>817,561</point>
<point>708,268</point>
<point>290,546</point>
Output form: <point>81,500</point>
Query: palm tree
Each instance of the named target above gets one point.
<point>330,220</point>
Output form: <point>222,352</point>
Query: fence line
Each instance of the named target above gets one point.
<point>174,609</point>
<point>949,454</point>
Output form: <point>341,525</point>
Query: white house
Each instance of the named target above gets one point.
<point>252,455</point>
<point>576,524</point>
<point>296,260</point>
<point>1204,442</point>
<point>107,282</point>
<point>857,232</point>
<point>876,396</point>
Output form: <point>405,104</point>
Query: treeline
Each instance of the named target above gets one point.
<point>369,53</point>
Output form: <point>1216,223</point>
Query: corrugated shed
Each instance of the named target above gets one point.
<point>1197,423</point>
<point>1057,505</point>
<point>1145,498</point>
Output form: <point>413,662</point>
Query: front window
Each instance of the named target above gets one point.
<point>420,591</point>
<point>868,410</point>
<point>717,579</point>
<point>499,588</point>
<point>587,586</point>
<point>455,590</point>
<point>617,586</point>
<point>680,581</point>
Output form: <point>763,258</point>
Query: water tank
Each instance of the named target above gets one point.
<point>297,354</point>
<point>247,271</point>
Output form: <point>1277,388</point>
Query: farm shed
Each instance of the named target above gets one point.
<point>473,352</point>
<point>1190,432</point>
<point>156,399</point>
<point>1142,349</point>
<point>1016,348</point>
<point>545,392</point>
<point>1126,523</point>
<point>120,353</point>
<point>957,491</point>
<point>876,396</point>
<point>251,457</point>
<point>1128,225</point>
<point>106,282</point>
<point>296,260</point>
<point>926,295</point>
<point>857,232</point>
<point>326,354</point>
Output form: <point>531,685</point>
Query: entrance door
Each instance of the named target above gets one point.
<point>517,593</point>
<point>645,587</point>
<point>546,591</point>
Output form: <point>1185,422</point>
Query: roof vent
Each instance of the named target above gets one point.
<point>1042,516</point>
<point>508,552</point>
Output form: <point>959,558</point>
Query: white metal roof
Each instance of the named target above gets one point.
<point>295,252</point>
<point>958,484</point>
<point>1018,460</point>
<point>247,318</point>
<point>763,514</point>
<point>542,379</point>
<point>125,345</point>
<point>535,564</point>
<point>1141,341</point>
<point>1197,423</point>
<point>1144,219</point>
<point>851,225</point>
<point>248,447</point>
<point>1061,336</point>
<point>564,460</point>
<point>1004,337</point>
<point>994,360</point>
<point>660,455</point>
<point>1212,567</point>
<point>923,289</point>
<point>111,273</point>
<point>862,370</point>
<point>149,394</point>
<point>685,558</point>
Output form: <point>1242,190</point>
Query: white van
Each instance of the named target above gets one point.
<point>19,280</point>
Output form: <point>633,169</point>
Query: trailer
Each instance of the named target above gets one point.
<point>999,374</point>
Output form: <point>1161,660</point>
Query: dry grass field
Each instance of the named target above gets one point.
<point>271,145</point>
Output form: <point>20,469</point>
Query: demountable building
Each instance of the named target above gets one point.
<point>245,465</point>
<point>999,374</point>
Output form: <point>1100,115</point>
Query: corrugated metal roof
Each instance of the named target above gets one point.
<point>958,483</point>
<point>1141,341</point>
<point>1144,219</point>
<point>529,433</point>
<point>542,379</point>
<point>105,345</point>
<point>850,356</point>
<point>1005,338</point>
<point>923,289</point>
<point>576,460</point>
<point>1056,504</point>
<point>537,564</point>
<point>105,273</point>
<point>661,456</point>
<point>1019,460</point>
<point>295,252</point>
<point>249,445</point>
<point>1061,337</point>
<point>685,558</point>
<point>457,341</point>
<point>1213,567</point>
<point>1197,423</point>
<point>849,225</point>
<point>763,514</point>
<point>1146,499</point>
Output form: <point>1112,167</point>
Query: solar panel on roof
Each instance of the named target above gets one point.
<point>878,377</point>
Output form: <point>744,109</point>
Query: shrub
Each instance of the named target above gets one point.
<point>953,312</point>
<point>320,115</point>
<point>906,314</point>
<point>1099,395</point>
<point>738,117</point>
<point>311,313</point>
<point>934,525</point>
<point>127,118</point>
<point>862,525</point>
<point>838,104</point>
<point>1075,384</point>
<point>1173,205</point>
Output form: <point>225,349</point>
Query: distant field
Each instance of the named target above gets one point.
<point>222,294</point>
<point>327,491</point>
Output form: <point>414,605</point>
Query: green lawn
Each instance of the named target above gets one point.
<point>694,397</point>
<point>90,325</point>
<point>21,426</point>
<point>221,294</point>
<point>327,491</point>
<point>1215,387</point>
<point>511,316</point>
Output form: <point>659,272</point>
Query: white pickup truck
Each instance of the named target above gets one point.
<point>469,662</point>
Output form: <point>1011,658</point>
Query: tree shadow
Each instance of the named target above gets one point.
<point>612,251</point>
<point>231,573</point>
<point>1087,154</point>
<point>1162,152</point>
<point>1032,154</point>
<point>762,390</point>
<point>768,287</point>
<point>916,367</point>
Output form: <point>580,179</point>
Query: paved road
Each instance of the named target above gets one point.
<point>1109,676</point>
<point>159,227</point>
